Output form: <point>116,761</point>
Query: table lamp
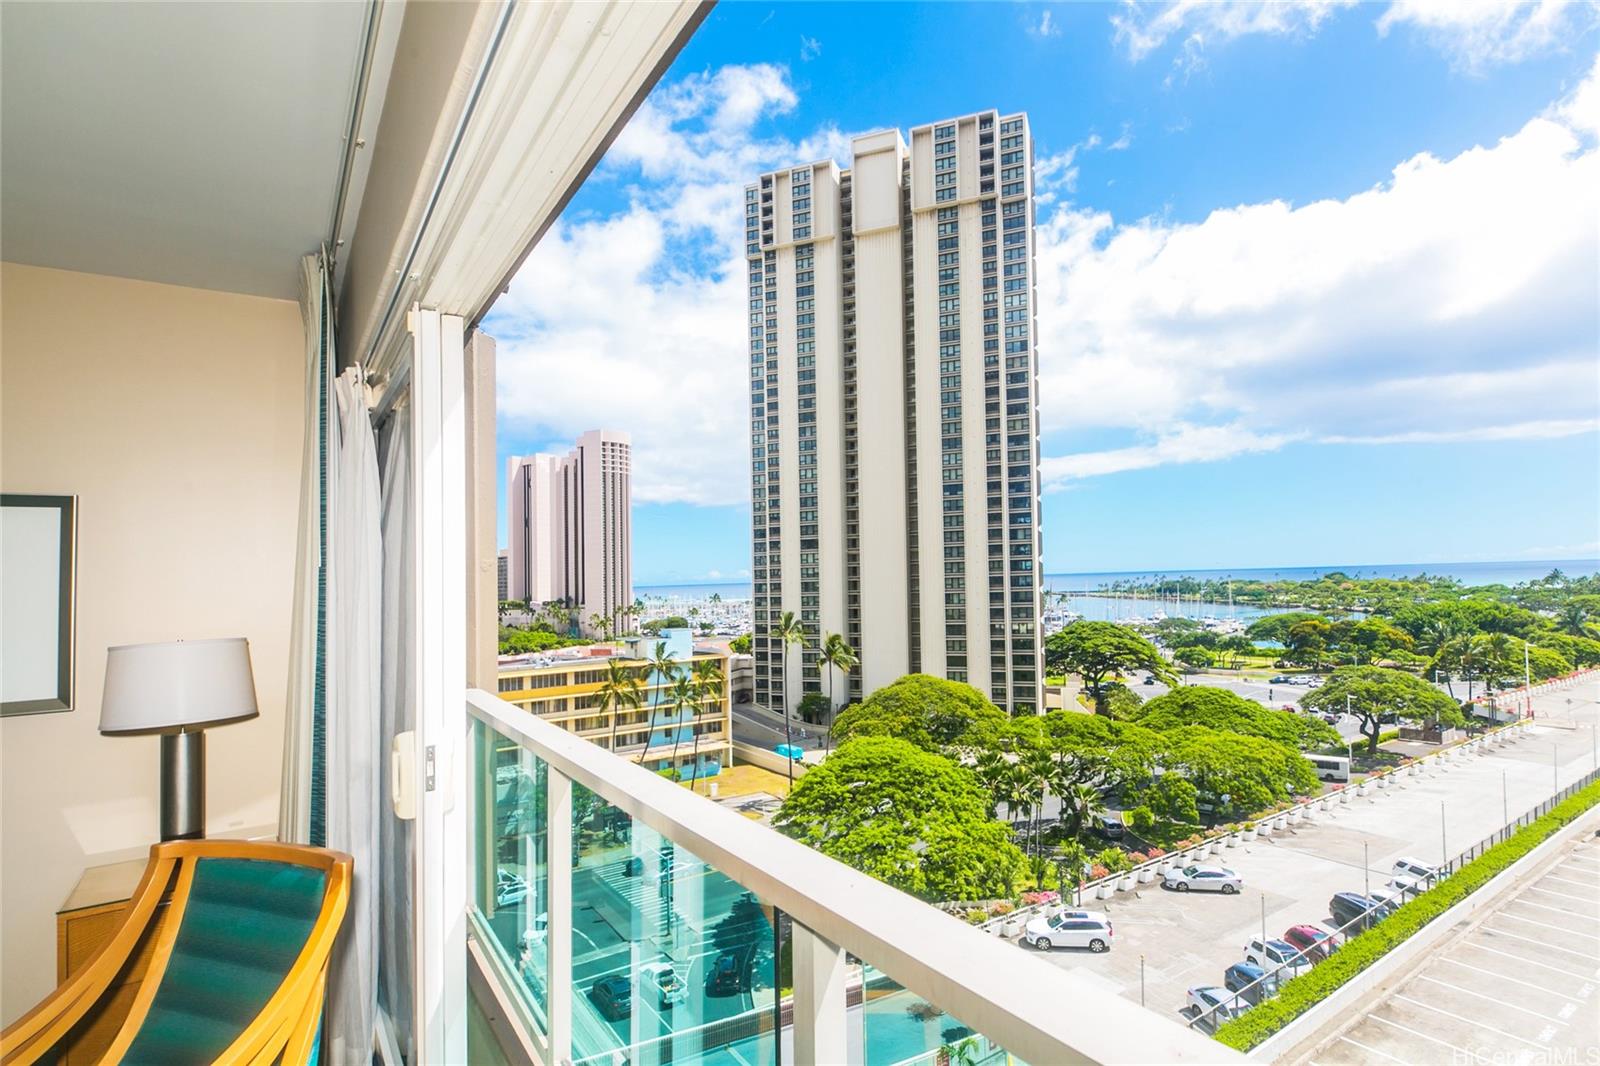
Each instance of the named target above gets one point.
<point>178,688</point>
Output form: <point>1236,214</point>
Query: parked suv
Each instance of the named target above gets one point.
<point>1346,907</point>
<point>1272,954</point>
<point>1414,875</point>
<point>1071,929</point>
<point>1250,981</point>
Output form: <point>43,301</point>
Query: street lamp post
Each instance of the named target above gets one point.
<point>1444,845</point>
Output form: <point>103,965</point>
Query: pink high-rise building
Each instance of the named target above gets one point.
<point>570,535</point>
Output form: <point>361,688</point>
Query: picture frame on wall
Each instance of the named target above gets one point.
<point>38,592</point>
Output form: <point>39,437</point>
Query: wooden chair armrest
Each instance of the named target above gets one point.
<point>36,1032</point>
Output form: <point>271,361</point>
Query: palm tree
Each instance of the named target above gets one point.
<point>663,669</point>
<point>708,676</point>
<point>1039,766</point>
<point>685,697</point>
<point>835,655</point>
<point>996,773</point>
<point>792,633</point>
<point>1573,619</point>
<point>621,690</point>
<point>1085,803</point>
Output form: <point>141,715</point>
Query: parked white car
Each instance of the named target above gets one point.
<point>1070,929</point>
<point>1414,875</point>
<point>1204,879</point>
<point>661,979</point>
<point>1272,954</point>
<point>1212,1006</point>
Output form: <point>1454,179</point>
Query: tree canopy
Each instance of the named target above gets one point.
<point>1252,772</point>
<point>1275,627</point>
<point>1370,692</point>
<point>1225,711</point>
<point>906,816</point>
<point>930,712</point>
<point>741,644</point>
<point>1099,651</point>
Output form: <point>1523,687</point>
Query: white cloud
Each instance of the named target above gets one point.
<point>649,302</point>
<point>810,48</point>
<point>1482,33</point>
<point>1046,26</point>
<point>1458,300</point>
<point>1143,27</point>
<point>1475,34</point>
<point>1177,444</point>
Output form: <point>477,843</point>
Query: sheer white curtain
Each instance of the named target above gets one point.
<point>294,797</point>
<point>354,801</point>
<point>397,715</point>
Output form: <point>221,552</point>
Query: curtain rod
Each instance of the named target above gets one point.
<point>392,389</point>
<point>481,76</point>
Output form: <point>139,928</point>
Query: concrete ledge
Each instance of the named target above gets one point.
<point>1337,1013</point>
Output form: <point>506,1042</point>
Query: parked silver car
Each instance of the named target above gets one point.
<point>1203,879</point>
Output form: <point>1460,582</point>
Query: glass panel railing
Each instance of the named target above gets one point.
<point>896,1027</point>
<point>512,887</point>
<point>671,960</point>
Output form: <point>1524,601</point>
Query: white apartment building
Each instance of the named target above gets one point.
<point>894,411</point>
<point>570,533</point>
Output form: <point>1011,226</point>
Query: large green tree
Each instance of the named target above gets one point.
<point>930,712</point>
<point>1228,712</point>
<point>1100,651</point>
<point>1373,639</point>
<point>1275,627</point>
<point>1370,692</point>
<point>1251,772</point>
<point>906,816</point>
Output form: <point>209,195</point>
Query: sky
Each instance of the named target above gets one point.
<point>1319,282</point>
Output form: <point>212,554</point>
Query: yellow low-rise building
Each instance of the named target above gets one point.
<point>667,730</point>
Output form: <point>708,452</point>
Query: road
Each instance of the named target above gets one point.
<point>1188,940</point>
<point>763,728</point>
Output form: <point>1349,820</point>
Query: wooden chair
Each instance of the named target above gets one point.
<point>239,964</point>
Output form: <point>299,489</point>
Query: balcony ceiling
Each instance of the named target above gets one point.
<point>196,144</point>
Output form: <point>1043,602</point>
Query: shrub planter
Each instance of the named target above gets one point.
<point>1233,840</point>
<point>1265,828</point>
<point>1103,890</point>
<point>1281,822</point>
<point>1365,788</point>
<point>1125,882</point>
<point>1250,834</point>
<point>1147,874</point>
<point>1011,929</point>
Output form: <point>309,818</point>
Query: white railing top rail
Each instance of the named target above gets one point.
<point>1040,1013</point>
<point>1198,852</point>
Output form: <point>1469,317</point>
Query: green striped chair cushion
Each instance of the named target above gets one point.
<point>246,922</point>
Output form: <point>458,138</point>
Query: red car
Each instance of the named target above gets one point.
<point>1316,943</point>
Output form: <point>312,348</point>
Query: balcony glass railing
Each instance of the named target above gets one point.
<point>672,930</point>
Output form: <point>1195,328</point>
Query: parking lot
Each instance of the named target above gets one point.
<point>1519,985</point>
<point>1165,943</point>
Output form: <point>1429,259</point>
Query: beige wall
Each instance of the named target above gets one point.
<point>175,416</point>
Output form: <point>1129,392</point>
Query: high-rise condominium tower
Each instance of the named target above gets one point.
<point>571,528</point>
<point>893,412</point>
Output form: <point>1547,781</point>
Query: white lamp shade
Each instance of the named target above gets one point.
<point>176,685</point>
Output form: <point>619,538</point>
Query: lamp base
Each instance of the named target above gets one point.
<point>183,785</point>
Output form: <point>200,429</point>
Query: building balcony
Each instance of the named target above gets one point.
<point>680,931</point>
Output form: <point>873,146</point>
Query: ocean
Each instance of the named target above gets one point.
<point>1492,573</point>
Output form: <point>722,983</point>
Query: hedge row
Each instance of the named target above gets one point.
<point>1300,994</point>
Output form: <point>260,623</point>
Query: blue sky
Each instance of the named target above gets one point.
<point>1318,281</point>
